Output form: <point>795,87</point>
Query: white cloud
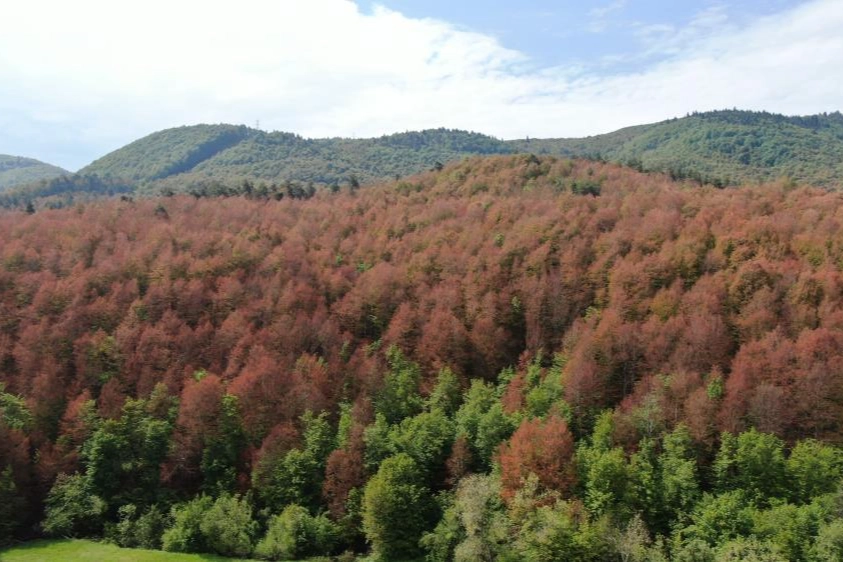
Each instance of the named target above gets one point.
<point>601,16</point>
<point>87,76</point>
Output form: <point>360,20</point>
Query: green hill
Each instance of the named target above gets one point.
<point>721,147</point>
<point>184,157</point>
<point>16,170</point>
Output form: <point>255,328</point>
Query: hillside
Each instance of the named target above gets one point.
<point>16,170</point>
<point>727,147</point>
<point>590,360</point>
<point>185,157</point>
<point>723,148</point>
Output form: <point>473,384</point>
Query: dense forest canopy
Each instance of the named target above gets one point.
<point>512,358</point>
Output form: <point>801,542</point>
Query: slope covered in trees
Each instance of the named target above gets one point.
<point>192,157</point>
<point>16,170</point>
<point>515,358</point>
<point>724,147</point>
<point>721,147</point>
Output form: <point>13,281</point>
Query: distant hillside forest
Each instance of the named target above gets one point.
<point>720,148</point>
<point>514,358</point>
<point>16,170</point>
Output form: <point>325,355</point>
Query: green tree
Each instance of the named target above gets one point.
<point>11,506</point>
<point>399,398</point>
<point>645,485</point>
<point>829,542</point>
<point>791,529</point>
<point>474,527</point>
<point>753,462</point>
<point>185,533</point>
<point>813,468</point>
<point>295,534</point>
<point>560,532</point>
<point>228,526</point>
<point>680,489</point>
<point>607,478</point>
<point>221,454</point>
<point>717,519</point>
<point>446,395</point>
<point>397,509</point>
<point>427,438</point>
<point>482,420</point>
<point>297,477</point>
<point>123,457</point>
<point>13,410</point>
<point>749,549</point>
<point>139,531</point>
<point>73,509</point>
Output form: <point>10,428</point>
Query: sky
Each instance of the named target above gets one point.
<point>79,79</point>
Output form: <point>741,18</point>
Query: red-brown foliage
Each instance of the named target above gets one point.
<point>541,447</point>
<point>649,292</point>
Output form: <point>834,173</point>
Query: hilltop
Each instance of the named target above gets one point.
<point>186,157</point>
<point>721,147</point>
<point>17,170</point>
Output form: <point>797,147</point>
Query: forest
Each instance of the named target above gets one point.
<point>15,171</point>
<point>512,358</point>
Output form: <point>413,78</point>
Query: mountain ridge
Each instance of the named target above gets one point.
<point>725,147</point>
<point>721,148</point>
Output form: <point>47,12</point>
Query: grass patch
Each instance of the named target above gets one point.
<point>89,551</point>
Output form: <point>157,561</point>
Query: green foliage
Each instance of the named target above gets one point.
<point>228,527</point>
<point>544,390</point>
<point>296,478</point>
<point>295,533</point>
<point>11,506</point>
<point>222,451</point>
<point>813,469</point>
<point>16,170</point>
<point>719,147</point>
<point>397,509</point>
<point>13,410</point>
<point>427,438</point>
<point>446,395</point>
<point>73,509</point>
<point>753,462</point>
<point>474,525</point>
<point>645,493</point>
<point>123,457</point>
<point>829,543</point>
<point>482,420</point>
<point>185,157</point>
<point>185,533</point>
<point>680,487</point>
<point>790,529</point>
<point>224,526</point>
<point>139,531</point>
<point>749,550</point>
<point>559,532</point>
<point>720,518</point>
<point>606,481</point>
<point>399,397</point>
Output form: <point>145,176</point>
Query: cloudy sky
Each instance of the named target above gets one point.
<point>81,78</point>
